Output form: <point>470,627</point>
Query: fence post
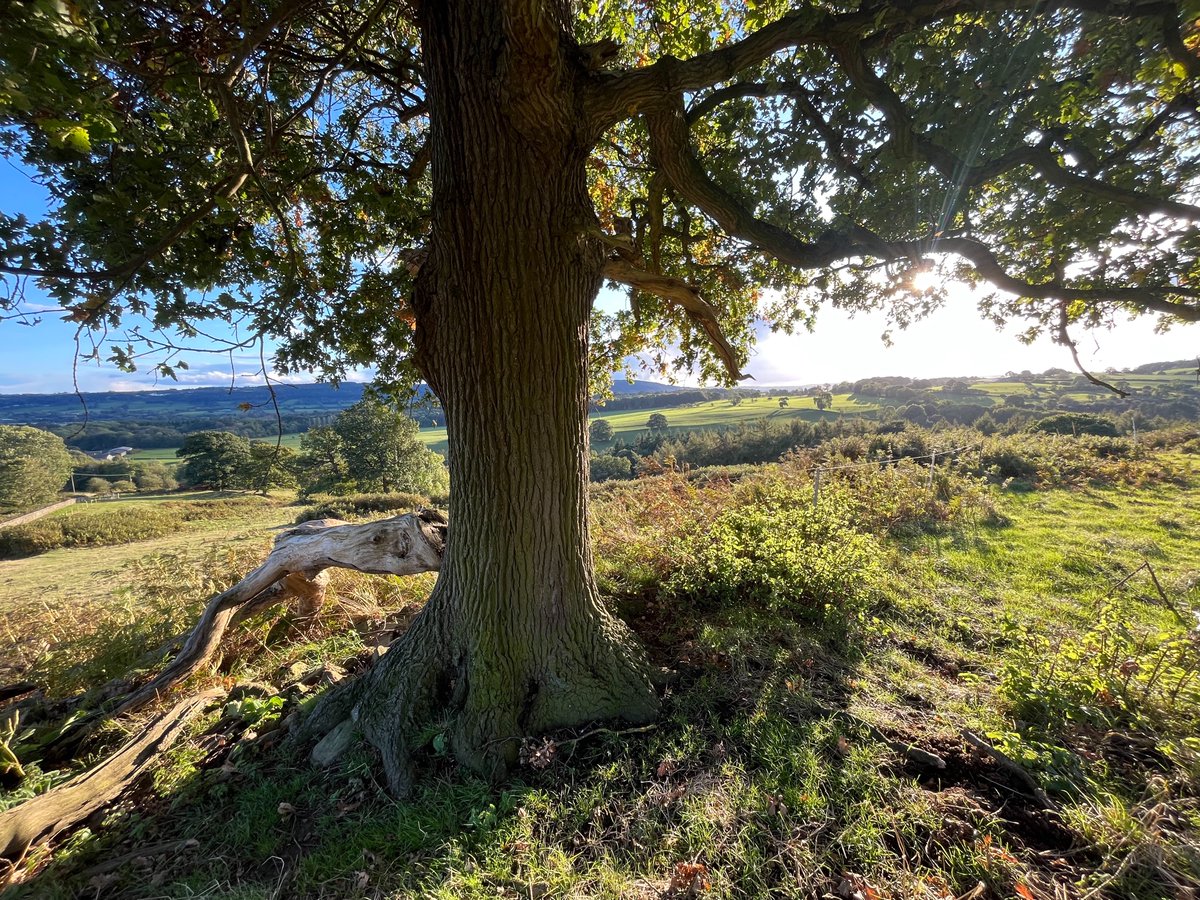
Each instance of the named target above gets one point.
<point>932,466</point>
<point>816,486</point>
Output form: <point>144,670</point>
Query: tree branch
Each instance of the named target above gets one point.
<point>613,96</point>
<point>682,294</point>
<point>1064,337</point>
<point>802,98</point>
<point>671,150</point>
<point>908,141</point>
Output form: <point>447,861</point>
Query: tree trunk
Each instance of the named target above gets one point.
<point>514,640</point>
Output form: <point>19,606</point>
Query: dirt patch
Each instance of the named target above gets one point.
<point>945,665</point>
<point>996,793</point>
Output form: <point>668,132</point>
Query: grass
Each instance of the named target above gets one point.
<point>766,775</point>
<point>167,454</point>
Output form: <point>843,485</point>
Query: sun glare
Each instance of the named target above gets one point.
<point>924,280</point>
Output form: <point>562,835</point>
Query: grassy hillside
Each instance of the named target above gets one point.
<point>628,424</point>
<point>818,662</point>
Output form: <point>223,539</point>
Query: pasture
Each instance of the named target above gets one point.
<point>805,705</point>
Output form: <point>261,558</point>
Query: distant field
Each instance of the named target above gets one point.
<point>80,575</point>
<point>167,454</point>
<point>629,423</point>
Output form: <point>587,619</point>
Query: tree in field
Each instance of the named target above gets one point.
<point>383,452</point>
<point>270,466</point>
<point>601,431</point>
<point>215,459</point>
<point>34,466</point>
<point>823,400</point>
<point>440,189</point>
<point>154,476</point>
<point>321,465</point>
<point>657,422</point>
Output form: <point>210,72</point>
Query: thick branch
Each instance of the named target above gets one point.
<point>984,261</point>
<point>908,140</point>
<point>671,150</point>
<point>682,294</point>
<point>670,147</point>
<point>614,96</point>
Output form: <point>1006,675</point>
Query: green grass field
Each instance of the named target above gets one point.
<point>779,766</point>
<point>628,424</point>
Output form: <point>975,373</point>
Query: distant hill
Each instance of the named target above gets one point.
<point>301,405</point>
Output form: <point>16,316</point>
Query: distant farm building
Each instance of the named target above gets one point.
<point>106,455</point>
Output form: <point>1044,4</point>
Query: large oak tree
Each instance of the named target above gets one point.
<point>440,189</point>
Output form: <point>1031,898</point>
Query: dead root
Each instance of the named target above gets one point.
<point>294,572</point>
<point>45,816</point>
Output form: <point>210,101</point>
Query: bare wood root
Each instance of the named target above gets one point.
<point>295,569</point>
<point>47,815</point>
<point>1011,766</point>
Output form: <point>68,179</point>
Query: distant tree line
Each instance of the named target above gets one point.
<point>766,440</point>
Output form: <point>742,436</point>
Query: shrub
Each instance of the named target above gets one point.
<point>1110,677</point>
<point>780,553</point>
<point>606,466</point>
<point>107,524</point>
<point>1077,423</point>
<point>359,505</point>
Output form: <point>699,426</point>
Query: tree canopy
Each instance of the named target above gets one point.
<point>382,451</point>
<point>216,459</point>
<point>34,466</point>
<point>270,167</point>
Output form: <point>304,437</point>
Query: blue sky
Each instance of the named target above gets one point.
<point>955,341</point>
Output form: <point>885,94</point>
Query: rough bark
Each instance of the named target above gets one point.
<point>514,639</point>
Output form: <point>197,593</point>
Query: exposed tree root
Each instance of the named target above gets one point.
<point>436,679</point>
<point>46,815</point>
<point>294,571</point>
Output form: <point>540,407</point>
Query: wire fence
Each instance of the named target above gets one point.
<point>932,456</point>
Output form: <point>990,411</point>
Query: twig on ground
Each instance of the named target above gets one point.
<point>1011,766</point>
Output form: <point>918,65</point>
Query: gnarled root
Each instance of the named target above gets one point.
<point>440,677</point>
<point>294,571</point>
<point>48,814</point>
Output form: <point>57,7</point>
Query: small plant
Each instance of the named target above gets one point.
<point>780,553</point>
<point>1112,676</point>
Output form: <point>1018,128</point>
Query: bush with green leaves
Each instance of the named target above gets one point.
<point>357,506</point>
<point>34,466</point>
<point>1076,423</point>
<point>607,466</point>
<point>1112,676</point>
<point>782,553</point>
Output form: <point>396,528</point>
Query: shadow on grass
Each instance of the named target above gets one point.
<point>746,783</point>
